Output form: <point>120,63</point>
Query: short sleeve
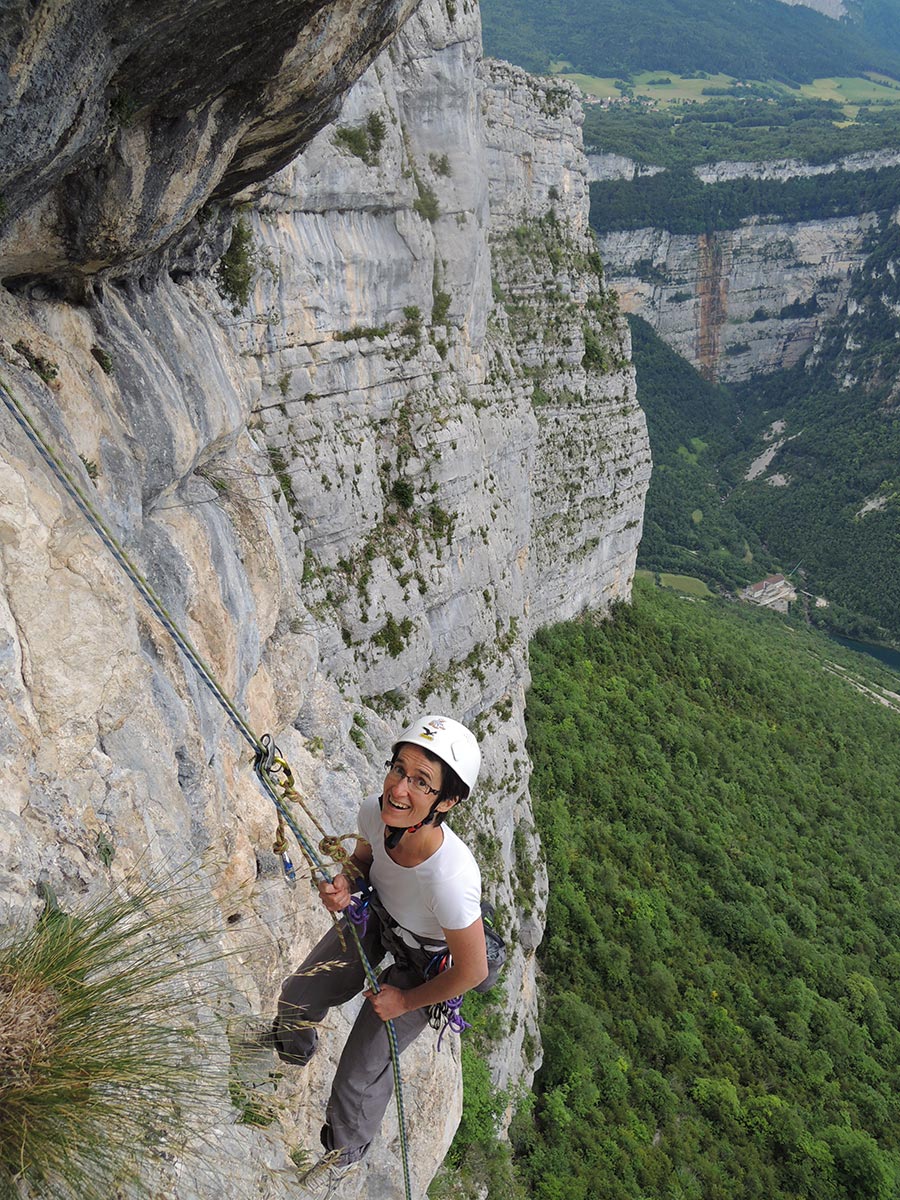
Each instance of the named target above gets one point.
<point>457,902</point>
<point>369,819</point>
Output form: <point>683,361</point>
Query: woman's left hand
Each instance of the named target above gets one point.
<point>390,1002</point>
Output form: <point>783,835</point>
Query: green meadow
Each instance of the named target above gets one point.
<point>668,87</point>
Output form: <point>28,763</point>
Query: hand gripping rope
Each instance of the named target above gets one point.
<point>267,763</point>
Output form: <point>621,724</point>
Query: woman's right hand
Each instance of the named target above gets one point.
<point>335,895</point>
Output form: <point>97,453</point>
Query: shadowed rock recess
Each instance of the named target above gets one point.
<point>361,456</point>
<point>121,119</point>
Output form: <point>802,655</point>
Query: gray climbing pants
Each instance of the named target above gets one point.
<point>364,1079</point>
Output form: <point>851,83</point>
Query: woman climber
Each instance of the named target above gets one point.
<point>426,902</point>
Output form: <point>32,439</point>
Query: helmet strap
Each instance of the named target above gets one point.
<point>392,839</point>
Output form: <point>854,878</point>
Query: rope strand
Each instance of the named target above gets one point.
<point>260,746</point>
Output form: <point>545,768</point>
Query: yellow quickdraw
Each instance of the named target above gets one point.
<point>331,846</point>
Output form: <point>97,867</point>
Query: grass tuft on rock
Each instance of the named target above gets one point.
<point>100,1058</point>
<point>236,266</point>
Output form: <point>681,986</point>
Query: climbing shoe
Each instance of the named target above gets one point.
<point>324,1180</point>
<point>294,1040</point>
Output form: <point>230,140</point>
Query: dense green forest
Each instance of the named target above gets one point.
<point>758,39</point>
<point>722,956</point>
<point>843,420</point>
<point>676,199</point>
<point>739,130</point>
<point>687,526</point>
<point>702,518</point>
<point>880,21</point>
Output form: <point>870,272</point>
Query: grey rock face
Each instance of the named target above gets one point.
<point>746,301</point>
<point>358,494</point>
<point>607,166</point>
<point>789,168</point>
<point>738,302</point>
<point>604,167</point>
<point>830,8</point>
<point>119,121</point>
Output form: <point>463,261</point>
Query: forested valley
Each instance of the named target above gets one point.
<point>716,787</point>
<point>838,516</point>
<point>719,812</point>
<point>718,809</point>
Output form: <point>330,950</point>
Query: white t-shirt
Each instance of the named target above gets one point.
<point>443,892</point>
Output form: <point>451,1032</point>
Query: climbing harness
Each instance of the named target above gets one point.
<point>271,770</point>
<point>441,1016</point>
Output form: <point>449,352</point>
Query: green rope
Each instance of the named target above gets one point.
<point>395,1061</point>
<point>117,550</point>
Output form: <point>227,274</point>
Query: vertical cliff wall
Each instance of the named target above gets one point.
<point>748,300</point>
<point>592,460</point>
<point>455,468</point>
<point>358,492</point>
<point>740,302</point>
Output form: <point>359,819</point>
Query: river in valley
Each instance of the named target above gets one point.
<point>887,657</point>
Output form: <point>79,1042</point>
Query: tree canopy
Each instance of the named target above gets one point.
<point>757,39</point>
<point>722,955</point>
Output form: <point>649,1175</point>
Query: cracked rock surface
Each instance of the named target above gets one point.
<point>358,490</point>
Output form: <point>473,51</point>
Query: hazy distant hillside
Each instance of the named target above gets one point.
<point>758,39</point>
<point>880,19</point>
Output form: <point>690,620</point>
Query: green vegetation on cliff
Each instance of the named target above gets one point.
<point>722,954</point>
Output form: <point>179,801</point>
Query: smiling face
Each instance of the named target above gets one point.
<point>403,805</point>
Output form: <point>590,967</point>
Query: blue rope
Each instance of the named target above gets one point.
<point>259,747</point>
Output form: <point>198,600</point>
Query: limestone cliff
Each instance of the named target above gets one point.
<point>606,166</point>
<point>830,8</point>
<point>743,301</point>
<point>358,491</point>
<point>739,302</point>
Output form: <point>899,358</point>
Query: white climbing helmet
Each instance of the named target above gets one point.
<point>451,742</point>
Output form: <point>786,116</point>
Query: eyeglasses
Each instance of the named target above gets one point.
<point>417,785</point>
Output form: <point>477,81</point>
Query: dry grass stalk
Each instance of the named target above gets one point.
<point>98,1050</point>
